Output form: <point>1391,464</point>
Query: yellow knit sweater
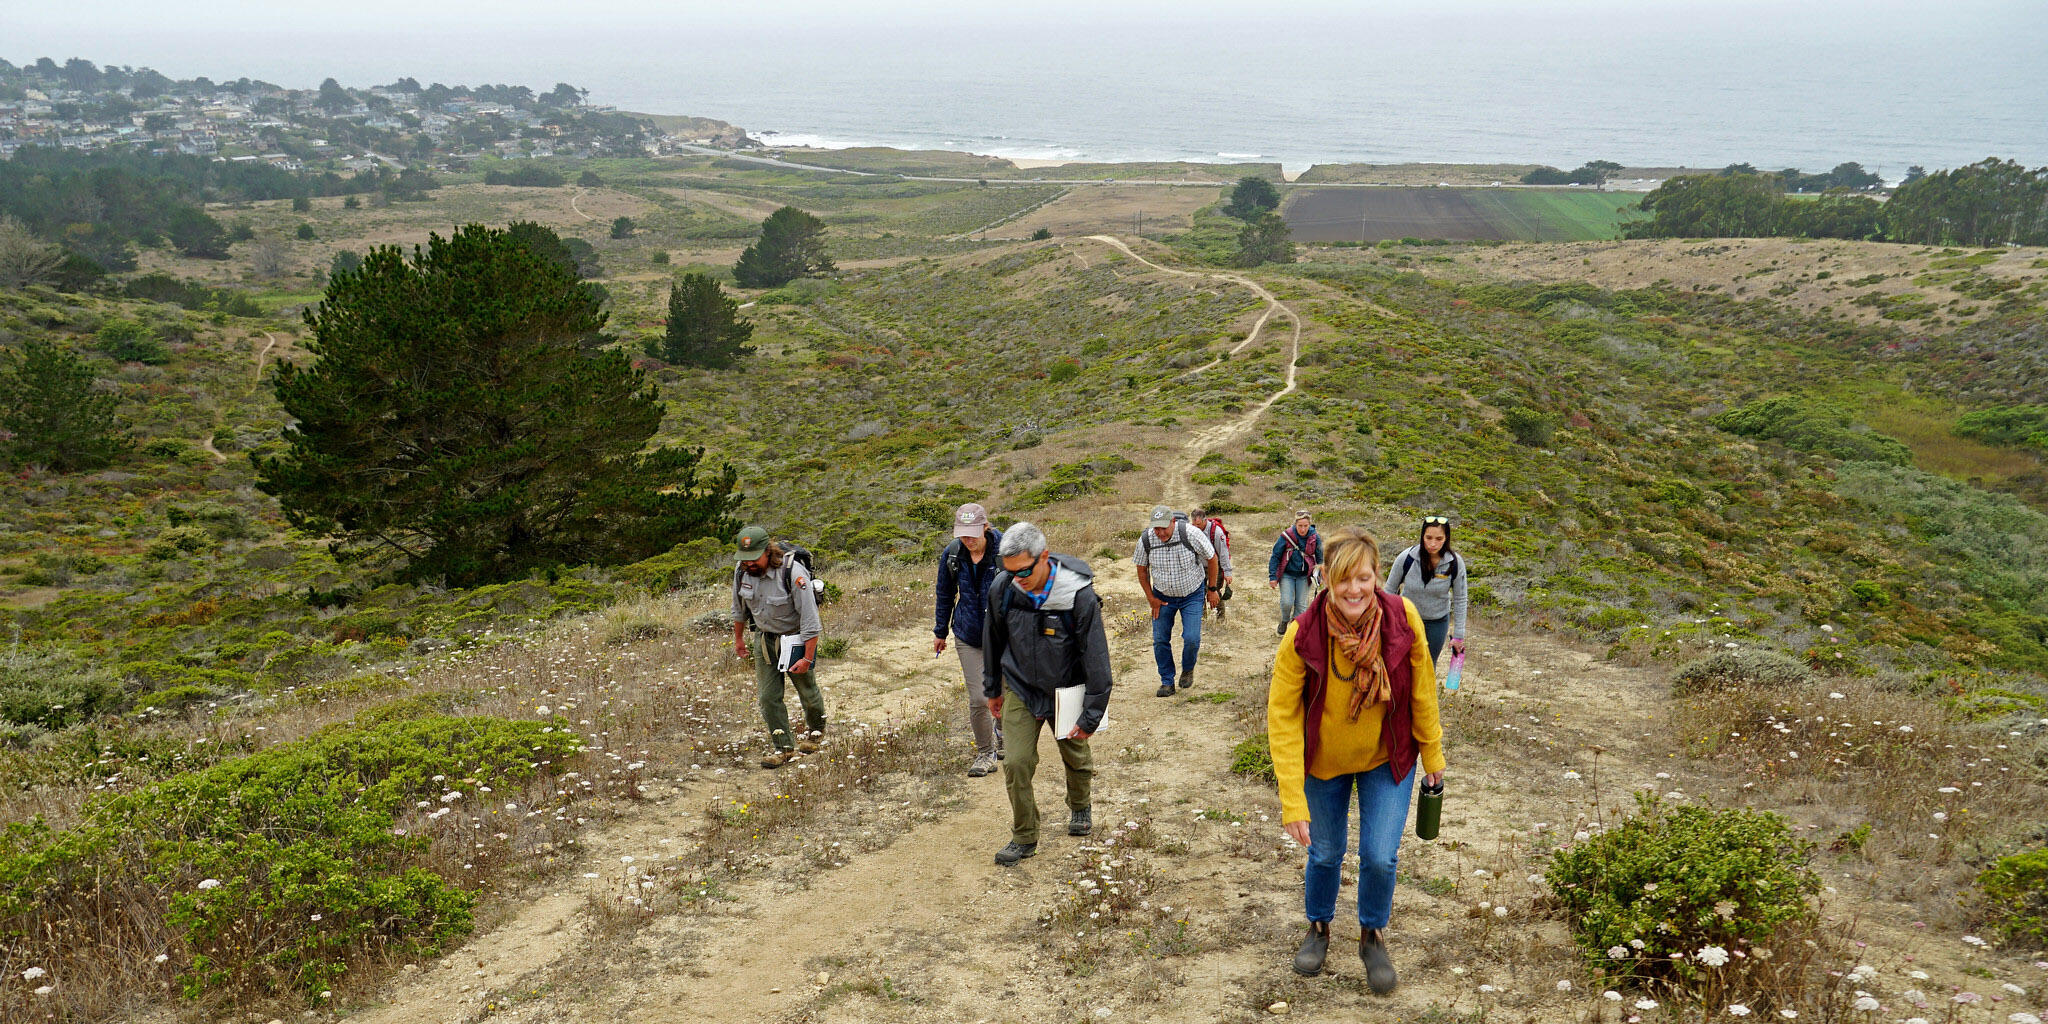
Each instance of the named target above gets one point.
<point>1345,746</point>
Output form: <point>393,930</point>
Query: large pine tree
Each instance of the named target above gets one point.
<point>457,422</point>
<point>704,325</point>
<point>51,412</point>
<point>792,245</point>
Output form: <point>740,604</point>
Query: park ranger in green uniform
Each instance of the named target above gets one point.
<point>771,592</point>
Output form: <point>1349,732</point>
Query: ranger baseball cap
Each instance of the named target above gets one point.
<point>752,544</point>
<point>1162,516</point>
<point>970,520</point>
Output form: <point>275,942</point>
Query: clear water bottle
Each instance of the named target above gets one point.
<point>1457,669</point>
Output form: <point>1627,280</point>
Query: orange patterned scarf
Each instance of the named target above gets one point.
<point>1360,642</point>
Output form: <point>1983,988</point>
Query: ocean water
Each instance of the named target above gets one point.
<point>1655,83</point>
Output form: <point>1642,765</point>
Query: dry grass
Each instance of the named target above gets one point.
<point>1917,798</point>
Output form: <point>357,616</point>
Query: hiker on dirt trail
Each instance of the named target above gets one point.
<point>772,595</point>
<point>966,568</point>
<point>1345,713</point>
<point>1297,556</point>
<point>1043,633</point>
<point>1431,575</point>
<point>1219,539</point>
<point>1177,570</point>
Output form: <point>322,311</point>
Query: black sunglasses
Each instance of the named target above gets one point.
<point>1436,521</point>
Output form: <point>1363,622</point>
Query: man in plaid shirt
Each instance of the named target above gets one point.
<point>1177,570</point>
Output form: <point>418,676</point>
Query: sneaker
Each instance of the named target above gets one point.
<point>1187,679</point>
<point>982,765</point>
<point>778,759</point>
<point>1165,689</point>
<point>1081,822</point>
<point>1379,967</point>
<point>1009,855</point>
<point>812,741</point>
<point>999,753</point>
<point>1308,960</point>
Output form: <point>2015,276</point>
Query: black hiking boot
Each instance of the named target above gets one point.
<point>1165,689</point>
<point>1009,855</point>
<point>1081,822</point>
<point>1187,679</point>
<point>1379,967</point>
<point>1308,960</point>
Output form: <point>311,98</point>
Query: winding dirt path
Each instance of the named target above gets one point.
<point>1179,489</point>
<point>575,200</point>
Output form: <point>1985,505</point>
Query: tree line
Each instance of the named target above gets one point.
<point>1992,202</point>
<point>100,205</point>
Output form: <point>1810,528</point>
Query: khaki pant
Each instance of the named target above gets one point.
<point>979,721</point>
<point>1020,743</point>
<point>768,684</point>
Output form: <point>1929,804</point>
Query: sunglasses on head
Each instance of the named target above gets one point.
<point>1436,521</point>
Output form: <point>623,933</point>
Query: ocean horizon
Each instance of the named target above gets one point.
<point>1656,84</point>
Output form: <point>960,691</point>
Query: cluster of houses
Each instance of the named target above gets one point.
<point>285,127</point>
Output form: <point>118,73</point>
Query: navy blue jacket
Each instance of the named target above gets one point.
<point>1287,561</point>
<point>963,594</point>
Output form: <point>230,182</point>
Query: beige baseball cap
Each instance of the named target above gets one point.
<point>970,521</point>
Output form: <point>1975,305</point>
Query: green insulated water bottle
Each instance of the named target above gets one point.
<point>1429,810</point>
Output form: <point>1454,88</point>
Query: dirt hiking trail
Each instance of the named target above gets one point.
<point>924,927</point>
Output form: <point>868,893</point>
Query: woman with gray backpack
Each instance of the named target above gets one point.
<point>1433,576</point>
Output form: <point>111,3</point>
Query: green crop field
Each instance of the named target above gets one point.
<point>1457,214</point>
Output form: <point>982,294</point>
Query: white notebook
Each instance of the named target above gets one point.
<point>792,652</point>
<point>1067,702</point>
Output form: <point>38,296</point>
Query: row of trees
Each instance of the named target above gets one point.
<point>1993,202</point>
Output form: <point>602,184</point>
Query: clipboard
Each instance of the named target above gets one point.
<point>792,652</point>
<point>1067,702</point>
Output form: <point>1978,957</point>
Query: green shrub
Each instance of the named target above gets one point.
<point>2013,894</point>
<point>2017,425</point>
<point>176,541</point>
<point>932,512</point>
<point>276,870</point>
<point>53,693</point>
<point>1812,427</point>
<point>1529,427</point>
<point>1673,880</point>
<point>832,647</point>
<point>218,520</point>
<point>1870,594</point>
<point>1073,480</point>
<point>1738,669</point>
<point>1253,756</point>
<point>176,698</point>
<point>130,341</point>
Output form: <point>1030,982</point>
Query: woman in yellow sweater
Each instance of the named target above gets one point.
<point>1346,713</point>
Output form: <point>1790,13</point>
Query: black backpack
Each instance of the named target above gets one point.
<point>1408,563</point>
<point>792,556</point>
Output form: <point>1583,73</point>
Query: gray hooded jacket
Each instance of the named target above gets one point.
<point>1038,650</point>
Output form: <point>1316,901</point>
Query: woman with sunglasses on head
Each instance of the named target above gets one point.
<point>1345,713</point>
<point>1433,576</point>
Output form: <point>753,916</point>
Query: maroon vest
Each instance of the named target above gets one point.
<point>1312,643</point>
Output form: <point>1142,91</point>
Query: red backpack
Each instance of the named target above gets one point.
<point>1218,524</point>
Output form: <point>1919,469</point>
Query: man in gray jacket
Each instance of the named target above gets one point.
<point>1042,632</point>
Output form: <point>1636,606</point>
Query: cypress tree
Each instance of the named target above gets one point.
<point>56,417</point>
<point>792,245</point>
<point>704,325</point>
<point>457,426</point>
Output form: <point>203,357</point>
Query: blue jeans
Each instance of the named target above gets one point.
<point>1382,817</point>
<point>1190,610</point>
<point>1436,630</point>
<point>1294,595</point>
